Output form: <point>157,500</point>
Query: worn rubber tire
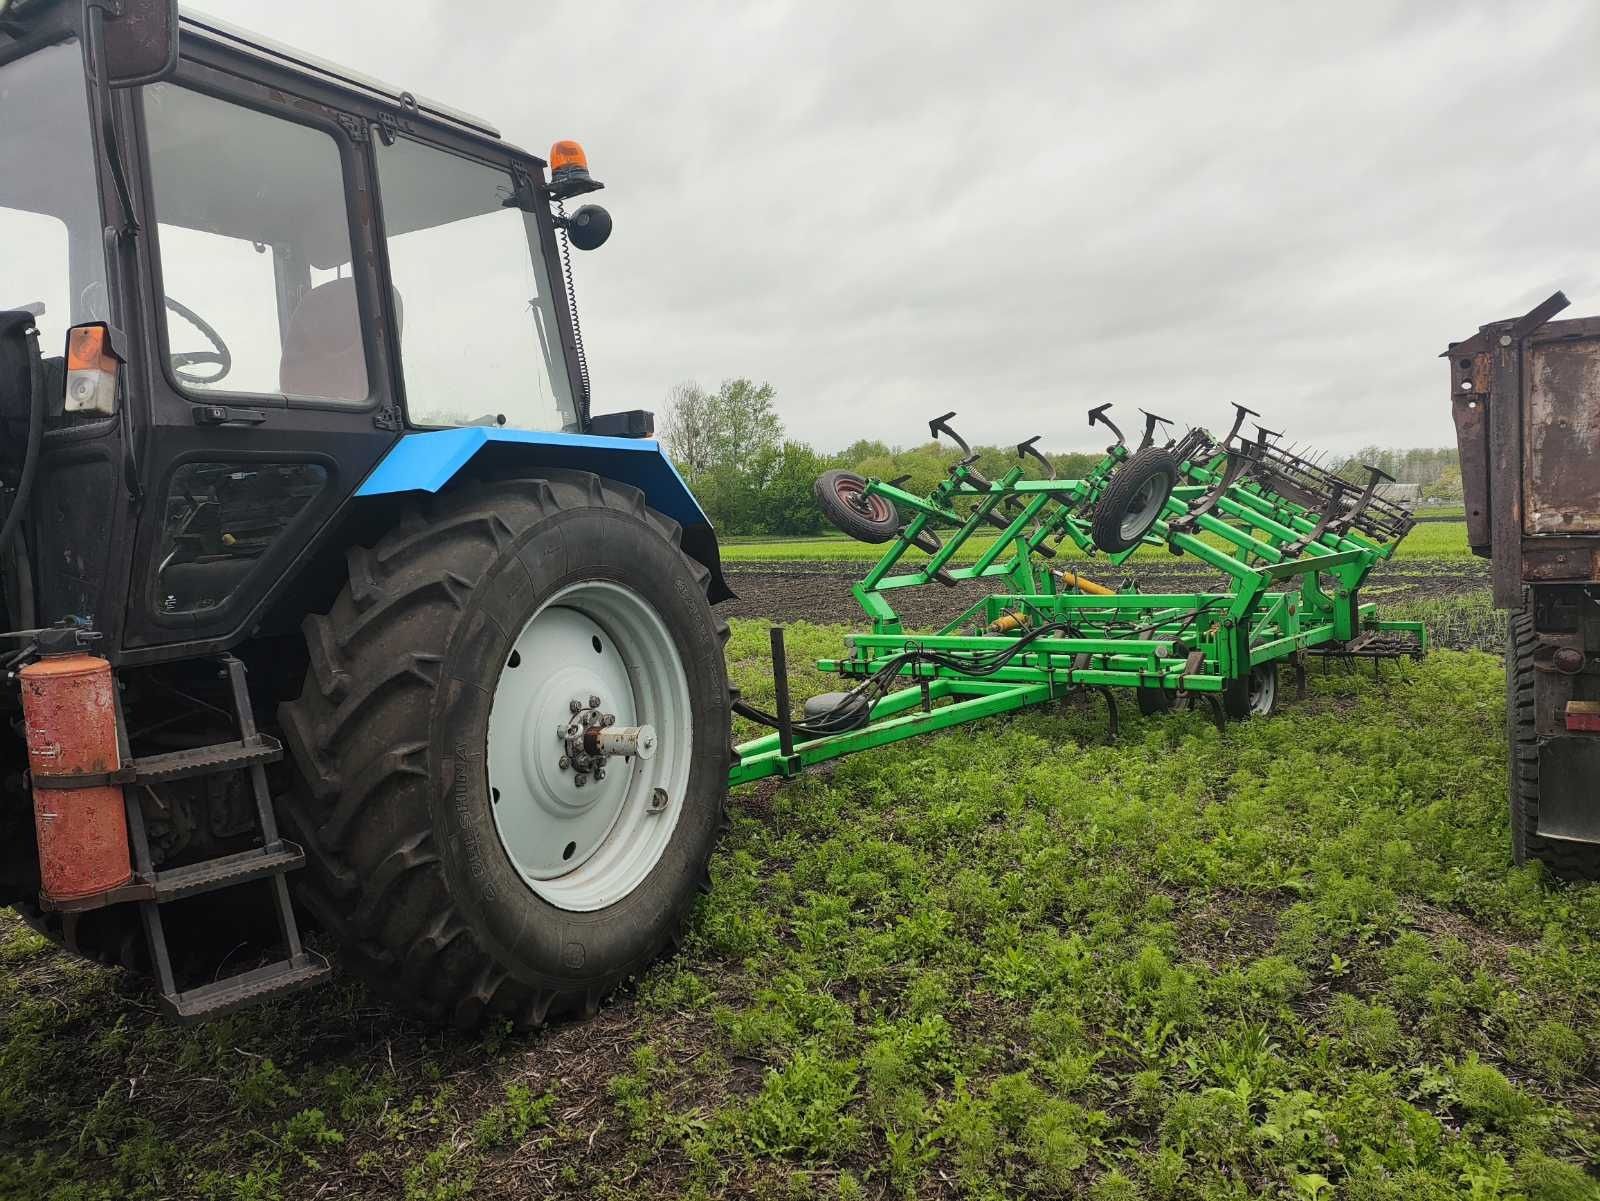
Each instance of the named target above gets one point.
<point>1141,467</point>
<point>1566,860</point>
<point>879,525</point>
<point>404,865</point>
<point>1236,700</point>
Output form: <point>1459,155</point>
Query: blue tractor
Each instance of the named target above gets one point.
<point>329,601</point>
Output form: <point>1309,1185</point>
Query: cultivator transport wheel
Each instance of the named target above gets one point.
<point>1567,860</point>
<point>1254,696</point>
<point>1132,500</point>
<point>845,501</point>
<point>514,741</point>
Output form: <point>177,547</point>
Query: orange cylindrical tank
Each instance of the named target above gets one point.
<point>69,709</point>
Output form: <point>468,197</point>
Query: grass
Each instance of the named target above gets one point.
<point>1291,960</point>
<point>1446,540</point>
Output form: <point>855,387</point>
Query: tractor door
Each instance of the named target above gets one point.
<point>270,396</point>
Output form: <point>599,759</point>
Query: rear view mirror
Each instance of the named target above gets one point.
<point>140,44</point>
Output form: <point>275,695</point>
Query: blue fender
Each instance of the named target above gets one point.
<point>427,461</point>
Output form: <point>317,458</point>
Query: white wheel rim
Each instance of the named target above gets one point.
<point>1143,509</point>
<point>584,847</point>
<point>1263,690</point>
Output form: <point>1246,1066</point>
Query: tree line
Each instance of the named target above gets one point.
<point>731,449</point>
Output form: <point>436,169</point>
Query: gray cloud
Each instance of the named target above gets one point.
<point>1020,210</point>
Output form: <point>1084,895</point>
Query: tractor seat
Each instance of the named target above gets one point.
<point>323,353</point>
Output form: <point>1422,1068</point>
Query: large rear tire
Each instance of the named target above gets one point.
<point>1567,860</point>
<point>425,822</point>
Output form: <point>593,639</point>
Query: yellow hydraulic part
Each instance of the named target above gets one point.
<point>1010,621</point>
<point>1073,580</point>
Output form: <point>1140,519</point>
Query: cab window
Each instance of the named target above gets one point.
<point>479,333</point>
<point>254,239</point>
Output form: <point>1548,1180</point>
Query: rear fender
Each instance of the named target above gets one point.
<point>427,461</point>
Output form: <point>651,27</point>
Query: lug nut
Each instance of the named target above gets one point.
<point>580,779</point>
<point>594,702</point>
<point>575,705</point>
<point>658,800</point>
<point>564,763</point>
<point>599,773</point>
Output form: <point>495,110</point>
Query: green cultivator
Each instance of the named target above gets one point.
<point>1293,540</point>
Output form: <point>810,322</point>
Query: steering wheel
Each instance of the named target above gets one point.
<point>219,357</point>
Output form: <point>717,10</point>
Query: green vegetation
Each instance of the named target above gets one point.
<point>1292,961</point>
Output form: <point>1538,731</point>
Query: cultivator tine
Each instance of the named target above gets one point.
<point>1326,520</point>
<point>1151,420</point>
<point>1238,468</point>
<point>1375,475</point>
<point>1113,725</point>
<point>941,425</point>
<point>1240,413</point>
<point>1097,415</point>
<point>1027,449</point>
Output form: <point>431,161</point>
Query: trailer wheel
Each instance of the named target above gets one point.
<point>1133,499</point>
<point>845,501</point>
<point>1254,696</point>
<point>474,862</point>
<point>1566,860</point>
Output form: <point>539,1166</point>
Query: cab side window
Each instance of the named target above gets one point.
<point>254,238</point>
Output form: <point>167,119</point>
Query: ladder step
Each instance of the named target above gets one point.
<point>211,874</point>
<point>247,988</point>
<point>203,760</point>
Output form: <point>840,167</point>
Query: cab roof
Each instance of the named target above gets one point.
<point>277,54</point>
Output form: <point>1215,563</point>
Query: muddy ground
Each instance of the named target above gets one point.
<point>820,592</point>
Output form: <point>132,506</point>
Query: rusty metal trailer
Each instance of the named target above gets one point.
<point>1525,394</point>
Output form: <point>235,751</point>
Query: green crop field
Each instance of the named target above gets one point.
<point>1428,540</point>
<point>1291,960</point>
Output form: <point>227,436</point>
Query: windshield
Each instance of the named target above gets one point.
<point>479,329</point>
<point>52,260</point>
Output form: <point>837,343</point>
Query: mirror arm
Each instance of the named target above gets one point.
<point>96,39</point>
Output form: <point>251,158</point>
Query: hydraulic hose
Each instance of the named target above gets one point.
<point>30,461</point>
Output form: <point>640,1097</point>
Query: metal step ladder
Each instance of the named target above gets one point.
<point>270,862</point>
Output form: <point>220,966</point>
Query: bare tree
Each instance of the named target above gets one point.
<point>687,428</point>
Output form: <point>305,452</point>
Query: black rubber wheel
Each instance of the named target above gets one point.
<point>1154,700</point>
<point>1254,696</point>
<point>1566,860</point>
<point>405,864</point>
<point>845,501</point>
<point>1132,500</point>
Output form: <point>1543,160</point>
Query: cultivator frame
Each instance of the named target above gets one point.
<point>1260,514</point>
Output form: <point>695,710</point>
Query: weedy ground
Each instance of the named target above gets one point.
<point>1291,960</point>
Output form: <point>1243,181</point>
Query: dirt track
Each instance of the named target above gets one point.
<point>820,592</point>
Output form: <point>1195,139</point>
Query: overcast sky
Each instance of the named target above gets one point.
<point>1020,211</point>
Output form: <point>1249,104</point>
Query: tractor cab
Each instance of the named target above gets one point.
<point>278,268</point>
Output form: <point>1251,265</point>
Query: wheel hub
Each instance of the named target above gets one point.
<point>583,790</point>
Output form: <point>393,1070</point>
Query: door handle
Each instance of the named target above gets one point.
<point>226,415</point>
